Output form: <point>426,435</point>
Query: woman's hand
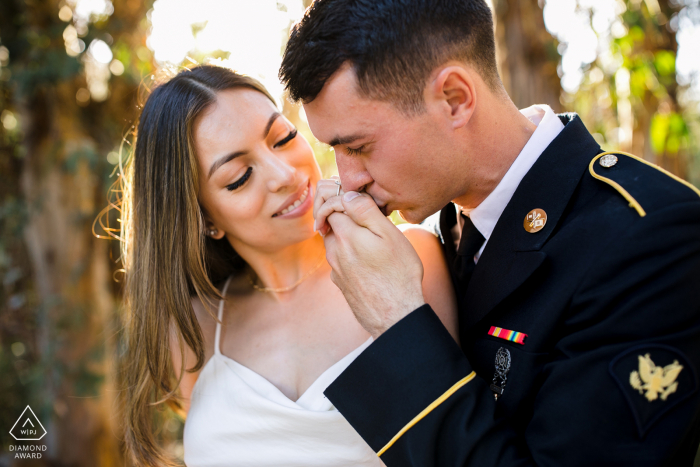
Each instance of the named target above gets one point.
<point>437,284</point>
<point>327,190</point>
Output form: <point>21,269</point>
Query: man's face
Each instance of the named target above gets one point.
<point>403,162</point>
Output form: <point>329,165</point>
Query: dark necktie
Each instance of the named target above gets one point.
<point>469,244</point>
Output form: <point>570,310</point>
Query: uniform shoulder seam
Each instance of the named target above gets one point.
<point>633,203</point>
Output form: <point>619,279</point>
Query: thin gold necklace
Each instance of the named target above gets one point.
<point>288,288</point>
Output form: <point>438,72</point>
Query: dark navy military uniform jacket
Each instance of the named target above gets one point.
<point>608,293</point>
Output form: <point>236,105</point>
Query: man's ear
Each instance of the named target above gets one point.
<point>454,91</point>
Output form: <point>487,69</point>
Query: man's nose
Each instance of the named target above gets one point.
<point>352,172</point>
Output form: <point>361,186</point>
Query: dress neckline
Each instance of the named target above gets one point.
<point>252,377</point>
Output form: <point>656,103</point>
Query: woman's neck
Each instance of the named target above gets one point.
<point>285,267</point>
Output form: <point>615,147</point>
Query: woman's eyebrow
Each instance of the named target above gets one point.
<point>222,160</point>
<point>272,119</point>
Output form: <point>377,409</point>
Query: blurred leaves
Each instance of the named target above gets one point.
<point>630,95</point>
<point>668,133</point>
<point>665,63</point>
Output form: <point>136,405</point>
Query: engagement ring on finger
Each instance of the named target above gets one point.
<point>337,182</point>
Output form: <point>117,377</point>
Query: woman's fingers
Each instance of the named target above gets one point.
<point>332,204</point>
<point>325,190</point>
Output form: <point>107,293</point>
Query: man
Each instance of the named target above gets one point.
<point>575,270</point>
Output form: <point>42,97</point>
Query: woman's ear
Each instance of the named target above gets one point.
<point>453,89</point>
<point>210,230</point>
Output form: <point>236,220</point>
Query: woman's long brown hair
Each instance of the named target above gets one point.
<point>167,257</point>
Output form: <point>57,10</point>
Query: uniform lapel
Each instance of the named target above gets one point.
<point>512,254</point>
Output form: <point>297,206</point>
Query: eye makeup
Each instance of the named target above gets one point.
<point>292,134</point>
<point>238,183</point>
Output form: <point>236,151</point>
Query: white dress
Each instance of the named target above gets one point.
<point>238,418</point>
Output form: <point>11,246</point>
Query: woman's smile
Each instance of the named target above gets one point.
<point>297,204</point>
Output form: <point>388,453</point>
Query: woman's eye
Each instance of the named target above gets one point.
<point>292,134</point>
<point>239,183</point>
<point>355,151</point>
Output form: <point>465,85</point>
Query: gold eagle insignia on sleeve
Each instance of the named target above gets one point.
<point>657,381</point>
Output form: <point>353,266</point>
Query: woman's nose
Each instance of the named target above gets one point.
<point>282,173</point>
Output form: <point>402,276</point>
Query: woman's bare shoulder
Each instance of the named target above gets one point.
<point>425,242</point>
<point>437,284</point>
<point>206,313</point>
<point>419,232</point>
<point>239,287</point>
<point>206,323</point>
<point>206,318</point>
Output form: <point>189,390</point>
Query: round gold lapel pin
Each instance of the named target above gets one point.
<point>535,220</point>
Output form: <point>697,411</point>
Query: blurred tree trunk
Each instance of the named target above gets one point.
<point>527,54</point>
<point>72,275</point>
<point>63,179</point>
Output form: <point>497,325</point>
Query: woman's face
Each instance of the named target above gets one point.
<point>257,175</point>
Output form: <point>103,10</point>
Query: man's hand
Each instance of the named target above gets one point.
<point>374,265</point>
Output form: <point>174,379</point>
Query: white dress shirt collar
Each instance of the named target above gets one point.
<point>486,215</point>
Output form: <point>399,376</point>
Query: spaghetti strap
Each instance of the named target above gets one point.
<point>217,339</point>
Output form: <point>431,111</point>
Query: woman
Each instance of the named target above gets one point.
<point>218,211</point>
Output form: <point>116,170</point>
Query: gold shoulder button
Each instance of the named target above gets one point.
<point>608,160</point>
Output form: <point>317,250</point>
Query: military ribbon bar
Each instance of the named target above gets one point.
<point>513,336</point>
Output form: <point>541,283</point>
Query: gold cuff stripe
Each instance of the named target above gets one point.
<point>428,409</point>
<point>633,202</point>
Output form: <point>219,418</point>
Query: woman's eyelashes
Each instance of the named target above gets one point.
<point>239,183</point>
<point>292,134</point>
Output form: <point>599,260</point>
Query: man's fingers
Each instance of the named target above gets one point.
<point>362,209</point>
<point>330,243</point>
<point>340,222</point>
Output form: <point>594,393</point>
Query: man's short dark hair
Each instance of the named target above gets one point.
<point>393,46</point>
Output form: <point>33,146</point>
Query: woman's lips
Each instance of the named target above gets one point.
<point>300,207</point>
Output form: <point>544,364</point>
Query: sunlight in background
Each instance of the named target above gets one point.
<point>98,59</point>
<point>585,38</point>
<point>577,34</point>
<point>252,33</point>
<point>249,35</point>
<point>688,59</point>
